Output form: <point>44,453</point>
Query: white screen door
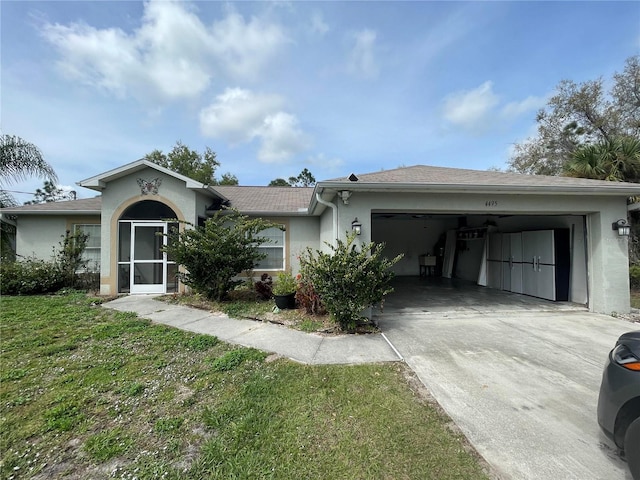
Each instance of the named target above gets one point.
<point>148,262</point>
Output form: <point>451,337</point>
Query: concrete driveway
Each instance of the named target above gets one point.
<point>520,377</point>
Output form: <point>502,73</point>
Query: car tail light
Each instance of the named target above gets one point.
<point>623,357</point>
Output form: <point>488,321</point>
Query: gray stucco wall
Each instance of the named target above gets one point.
<point>38,235</point>
<point>303,232</point>
<point>606,275</point>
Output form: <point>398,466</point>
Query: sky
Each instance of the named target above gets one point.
<point>275,87</point>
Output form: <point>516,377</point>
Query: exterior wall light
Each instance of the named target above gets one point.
<point>356,226</point>
<point>622,226</point>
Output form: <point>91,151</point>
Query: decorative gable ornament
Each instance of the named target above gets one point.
<point>149,187</point>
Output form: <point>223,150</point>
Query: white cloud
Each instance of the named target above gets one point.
<point>240,116</point>
<point>362,61</point>
<point>282,138</point>
<point>321,160</point>
<point>173,54</point>
<point>515,109</point>
<point>318,25</point>
<point>245,47</point>
<point>469,109</point>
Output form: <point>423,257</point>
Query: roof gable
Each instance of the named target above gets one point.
<point>99,182</point>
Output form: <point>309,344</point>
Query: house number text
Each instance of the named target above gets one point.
<point>491,203</point>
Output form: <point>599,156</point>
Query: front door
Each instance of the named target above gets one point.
<point>148,262</point>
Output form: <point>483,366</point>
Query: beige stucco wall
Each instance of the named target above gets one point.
<point>124,192</point>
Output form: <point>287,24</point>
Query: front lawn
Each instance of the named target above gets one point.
<point>87,392</point>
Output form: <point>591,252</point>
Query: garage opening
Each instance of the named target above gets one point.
<point>542,256</point>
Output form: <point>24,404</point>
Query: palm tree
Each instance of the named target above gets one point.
<point>617,160</point>
<point>19,160</point>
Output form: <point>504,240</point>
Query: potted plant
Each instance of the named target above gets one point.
<point>284,291</point>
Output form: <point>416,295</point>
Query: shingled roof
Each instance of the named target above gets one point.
<point>249,200</point>
<point>258,200</point>
<point>83,206</point>
<point>429,175</point>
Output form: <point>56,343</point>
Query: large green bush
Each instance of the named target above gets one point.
<point>30,276</point>
<point>212,254</point>
<point>634,276</point>
<point>348,279</point>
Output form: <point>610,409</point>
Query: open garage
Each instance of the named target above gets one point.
<point>554,238</point>
<point>487,250</point>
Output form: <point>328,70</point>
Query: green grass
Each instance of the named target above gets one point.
<point>88,392</point>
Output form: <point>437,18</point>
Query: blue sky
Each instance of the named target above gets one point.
<point>275,87</point>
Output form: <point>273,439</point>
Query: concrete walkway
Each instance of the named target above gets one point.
<point>299,346</point>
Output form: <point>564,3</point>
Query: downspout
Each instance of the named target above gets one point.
<point>335,217</point>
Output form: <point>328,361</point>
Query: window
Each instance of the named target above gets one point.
<point>92,251</point>
<point>274,248</point>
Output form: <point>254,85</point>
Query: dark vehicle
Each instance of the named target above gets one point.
<point>619,400</point>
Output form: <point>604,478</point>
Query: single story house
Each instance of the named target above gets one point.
<point>553,237</point>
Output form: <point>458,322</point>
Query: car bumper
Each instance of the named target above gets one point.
<point>618,386</point>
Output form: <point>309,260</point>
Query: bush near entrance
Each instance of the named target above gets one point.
<point>212,254</point>
<point>349,279</point>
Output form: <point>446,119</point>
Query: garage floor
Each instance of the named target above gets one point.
<point>438,294</point>
<point>520,376</point>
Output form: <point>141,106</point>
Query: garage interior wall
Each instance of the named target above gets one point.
<point>422,234</point>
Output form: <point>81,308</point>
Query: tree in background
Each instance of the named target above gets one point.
<point>304,179</point>
<point>616,160</point>
<point>50,193</point>
<point>581,114</point>
<point>190,163</point>
<point>279,182</point>
<point>20,160</point>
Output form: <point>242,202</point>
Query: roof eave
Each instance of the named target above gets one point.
<point>50,212</point>
<point>616,189</point>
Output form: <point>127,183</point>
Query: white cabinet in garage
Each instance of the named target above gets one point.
<point>546,264</point>
<point>494,260</point>
<point>512,262</point>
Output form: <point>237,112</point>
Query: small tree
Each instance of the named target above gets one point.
<point>69,256</point>
<point>212,254</point>
<point>349,280</point>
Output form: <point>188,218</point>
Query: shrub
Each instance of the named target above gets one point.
<point>69,256</point>
<point>226,245</point>
<point>264,287</point>
<point>285,285</point>
<point>634,276</point>
<point>30,276</point>
<point>349,280</point>
<point>308,298</point>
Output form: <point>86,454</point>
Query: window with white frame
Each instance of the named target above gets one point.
<point>274,248</point>
<point>92,251</point>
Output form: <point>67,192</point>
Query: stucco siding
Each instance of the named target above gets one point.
<point>37,236</point>
<point>602,279</point>
<point>303,232</point>
<point>124,192</point>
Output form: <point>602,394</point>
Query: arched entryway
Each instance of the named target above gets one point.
<point>142,265</point>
